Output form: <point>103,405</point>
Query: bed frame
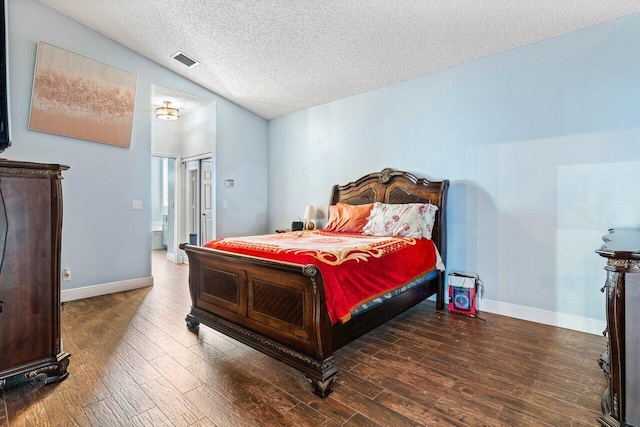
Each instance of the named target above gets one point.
<point>279,308</point>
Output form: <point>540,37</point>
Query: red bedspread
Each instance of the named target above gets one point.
<point>356,268</point>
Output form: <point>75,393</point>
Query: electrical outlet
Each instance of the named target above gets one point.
<point>66,274</point>
<point>136,205</point>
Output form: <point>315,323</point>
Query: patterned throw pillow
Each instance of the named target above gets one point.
<point>401,220</point>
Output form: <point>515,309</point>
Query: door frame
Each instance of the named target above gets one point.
<point>176,210</point>
<point>191,218</point>
<point>184,161</point>
<point>201,201</point>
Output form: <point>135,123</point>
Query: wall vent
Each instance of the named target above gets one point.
<point>184,59</point>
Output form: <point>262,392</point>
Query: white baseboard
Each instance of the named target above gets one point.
<point>546,317</point>
<point>105,288</point>
<point>171,257</point>
<point>531,314</point>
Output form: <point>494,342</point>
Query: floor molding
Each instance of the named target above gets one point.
<point>567,321</point>
<point>105,288</point>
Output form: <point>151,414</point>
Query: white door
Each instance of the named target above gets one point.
<point>206,207</point>
<point>193,202</point>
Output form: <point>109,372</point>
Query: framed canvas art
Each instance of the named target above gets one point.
<point>78,97</point>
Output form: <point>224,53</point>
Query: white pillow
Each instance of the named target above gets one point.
<point>401,220</point>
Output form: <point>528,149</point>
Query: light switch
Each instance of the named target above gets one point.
<point>225,205</point>
<point>136,204</point>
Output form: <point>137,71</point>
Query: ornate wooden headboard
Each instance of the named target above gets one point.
<point>389,186</point>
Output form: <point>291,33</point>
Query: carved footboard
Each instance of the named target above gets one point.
<point>277,308</point>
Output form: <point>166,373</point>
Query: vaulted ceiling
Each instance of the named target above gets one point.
<point>275,57</point>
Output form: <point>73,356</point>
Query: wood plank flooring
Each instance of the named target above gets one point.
<point>134,363</point>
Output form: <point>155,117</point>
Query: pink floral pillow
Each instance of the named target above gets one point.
<point>401,220</point>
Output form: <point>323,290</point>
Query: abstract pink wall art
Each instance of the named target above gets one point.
<point>82,98</point>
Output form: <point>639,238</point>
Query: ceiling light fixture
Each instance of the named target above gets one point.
<point>166,112</point>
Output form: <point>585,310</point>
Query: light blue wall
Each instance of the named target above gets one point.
<point>103,240</point>
<point>541,144</point>
<point>239,157</point>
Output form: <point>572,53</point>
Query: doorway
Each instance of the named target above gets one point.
<point>200,223</point>
<point>163,204</point>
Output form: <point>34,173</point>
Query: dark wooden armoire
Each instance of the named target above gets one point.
<point>621,361</point>
<point>30,239</point>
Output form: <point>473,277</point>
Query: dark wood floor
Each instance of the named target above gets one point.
<point>134,363</point>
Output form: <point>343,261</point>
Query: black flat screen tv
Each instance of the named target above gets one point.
<point>5,131</point>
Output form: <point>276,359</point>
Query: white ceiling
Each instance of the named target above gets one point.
<point>276,57</point>
<point>184,102</point>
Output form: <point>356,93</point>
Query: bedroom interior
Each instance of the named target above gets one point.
<point>529,111</point>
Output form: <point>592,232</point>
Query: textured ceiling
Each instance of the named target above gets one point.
<point>184,102</point>
<point>276,57</point>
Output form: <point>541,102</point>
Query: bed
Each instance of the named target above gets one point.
<point>280,307</point>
